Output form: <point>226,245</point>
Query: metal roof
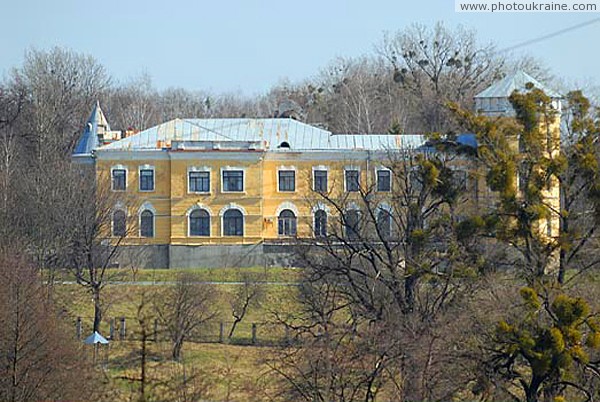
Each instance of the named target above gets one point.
<point>298,135</point>
<point>514,82</point>
<point>89,139</point>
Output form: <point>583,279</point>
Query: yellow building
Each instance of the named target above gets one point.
<point>230,192</point>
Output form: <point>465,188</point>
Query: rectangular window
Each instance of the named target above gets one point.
<point>199,182</point>
<point>320,180</point>
<point>384,180</point>
<point>287,180</point>
<point>146,179</point>
<point>352,180</point>
<point>119,179</point>
<point>233,180</point>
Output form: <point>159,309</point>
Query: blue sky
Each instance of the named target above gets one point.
<point>247,46</point>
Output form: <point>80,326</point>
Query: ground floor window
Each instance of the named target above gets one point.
<point>233,223</point>
<point>287,223</point>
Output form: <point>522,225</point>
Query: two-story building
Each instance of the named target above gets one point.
<point>229,192</point>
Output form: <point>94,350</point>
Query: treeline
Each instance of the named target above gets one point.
<point>424,314</point>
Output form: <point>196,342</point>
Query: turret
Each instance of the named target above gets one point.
<point>91,138</point>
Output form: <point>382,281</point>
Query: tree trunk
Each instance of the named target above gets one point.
<point>531,393</point>
<point>176,352</point>
<point>97,308</point>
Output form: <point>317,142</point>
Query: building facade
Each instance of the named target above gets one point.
<point>234,192</point>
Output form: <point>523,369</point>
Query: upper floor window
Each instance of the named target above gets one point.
<point>233,180</point>
<point>199,223</point>
<point>198,182</point>
<point>384,180</point>
<point>320,180</point>
<point>287,180</point>
<point>119,223</point>
<point>352,179</point>
<point>146,179</point>
<point>147,223</point>
<point>119,179</point>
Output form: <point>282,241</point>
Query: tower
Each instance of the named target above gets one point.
<point>494,102</point>
<point>93,134</point>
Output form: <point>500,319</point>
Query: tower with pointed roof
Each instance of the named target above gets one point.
<point>96,133</point>
<point>494,102</point>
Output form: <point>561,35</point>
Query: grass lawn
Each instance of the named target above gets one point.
<point>218,371</point>
<point>274,274</point>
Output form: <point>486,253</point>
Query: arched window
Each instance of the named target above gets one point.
<point>147,224</point>
<point>287,223</point>
<point>320,225</point>
<point>233,223</point>
<point>119,223</point>
<point>384,223</point>
<point>199,223</point>
<point>351,223</point>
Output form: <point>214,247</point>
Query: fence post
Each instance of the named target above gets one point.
<point>253,333</point>
<point>221,332</point>
<point>122,330</point>
<point>155,330</point>
<point>111,329</point>
<point>78,328</point>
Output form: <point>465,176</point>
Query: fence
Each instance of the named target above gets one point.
<point>128,329</point>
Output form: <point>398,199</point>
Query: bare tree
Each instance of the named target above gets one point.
<point>183,308</point>
<point>39,362</point>
<point>91,246</point>
<point>246,296</point>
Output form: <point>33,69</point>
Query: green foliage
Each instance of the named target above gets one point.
<point>548,337</point>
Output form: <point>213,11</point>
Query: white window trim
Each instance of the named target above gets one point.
<point>112,182</point>
<point>199,169</point>
<point>351,168</point>
<point>287,169</point>
<point>222,215</point>
<point>196,207</point>
<point>146,206</point>
<point>320,168</point>
<point>146,167</point>
<point>377,170</point>
<point>228,168</point>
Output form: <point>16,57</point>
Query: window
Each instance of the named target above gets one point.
<point>233,223</point>
<point>287,223</point>
<point>320,226</point>
<point>459,179</point>
<point>233,180</point>
<point>352,180</point>
<point>199,182</point>
<point>320,180</point>
<point>147,224</point>
<point>287,180</point>
<point>351,223</point>
<point>199,223</point>
<point>119,223</point>
<point>384,180</point>
<point>119,179</point>
<point>384,224</point>
<point>146,179</point>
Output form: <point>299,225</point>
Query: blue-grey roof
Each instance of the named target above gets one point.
<point>514,82</point>
<point>95,338</point>
<point>89,139</point>
<point>298,135</point>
